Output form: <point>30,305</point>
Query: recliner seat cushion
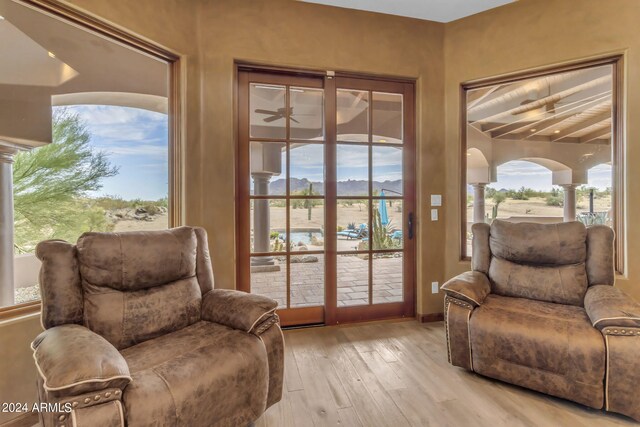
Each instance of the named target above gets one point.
<point>129,318</point>
<point>204,374</point>
<point>547,347</point>
<point>565,284</point>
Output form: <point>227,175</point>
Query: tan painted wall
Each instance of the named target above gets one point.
<point>535,33</point>
<point>18,372</point>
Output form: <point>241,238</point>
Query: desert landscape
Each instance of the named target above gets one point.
<point>538,207</point>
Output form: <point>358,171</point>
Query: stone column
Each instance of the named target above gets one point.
<point>261,219</point>
<point>6,227</point>
<point>478,202</point>
<point>569,202</point>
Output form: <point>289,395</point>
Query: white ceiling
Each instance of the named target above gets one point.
<point>431,10</point>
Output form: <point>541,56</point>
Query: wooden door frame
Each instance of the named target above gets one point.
<point>328,314</point>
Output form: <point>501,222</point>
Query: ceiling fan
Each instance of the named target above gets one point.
<point>278,114</point>
<point>549,107</point>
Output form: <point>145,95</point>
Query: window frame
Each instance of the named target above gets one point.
<point>174,62</point>
<point>617,142</point>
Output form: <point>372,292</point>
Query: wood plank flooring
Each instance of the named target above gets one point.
<point>396,374</point>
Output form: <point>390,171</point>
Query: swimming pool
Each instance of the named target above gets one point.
<point>303,236</point>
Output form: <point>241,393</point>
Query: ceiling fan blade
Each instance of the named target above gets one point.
<point>261,111</point>
<point>293,120</point>
<point>273,118</point>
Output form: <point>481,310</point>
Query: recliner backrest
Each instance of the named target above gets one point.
<point>138,286</point>
<point>128,287</point>
<point>546,262</point>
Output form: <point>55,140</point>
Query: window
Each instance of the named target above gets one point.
<point>543,148</point>
<point>84,140</point>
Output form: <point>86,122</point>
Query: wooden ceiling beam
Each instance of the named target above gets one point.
<point>547,138</point>
<point>604,80</point>
<point>585,103</point>
<point>536,138</point>
<point>476,97</point>
<point>559,115</point>
<point>582,125</point>
<point>537,127</point>
<point>596,134</point>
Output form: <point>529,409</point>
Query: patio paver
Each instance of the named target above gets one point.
<point>307,282</point>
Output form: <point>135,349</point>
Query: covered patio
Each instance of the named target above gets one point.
<point>561,122</point>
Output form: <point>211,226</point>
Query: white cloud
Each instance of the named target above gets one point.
<point>111,115</point>
<point>137,150</point>
<point>112,124</point>
<point>517,174</point>
<point>394,176</point>
<point>520,168</point>
<point>357,156</point>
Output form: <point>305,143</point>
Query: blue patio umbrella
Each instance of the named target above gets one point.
<point>382,209</point>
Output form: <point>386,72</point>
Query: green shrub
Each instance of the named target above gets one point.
<point>555,201</point>
<point>521,194</point>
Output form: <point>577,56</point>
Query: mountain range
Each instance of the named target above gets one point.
<point>344,187</point>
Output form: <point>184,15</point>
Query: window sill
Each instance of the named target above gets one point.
<point>14,311</point>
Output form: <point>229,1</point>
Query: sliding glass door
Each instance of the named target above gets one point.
<point>326,196</point>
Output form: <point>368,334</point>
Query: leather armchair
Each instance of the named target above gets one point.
<point>135,334</point>
<point>539,310</point>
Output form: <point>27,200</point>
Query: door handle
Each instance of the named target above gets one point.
<point>410,225</point>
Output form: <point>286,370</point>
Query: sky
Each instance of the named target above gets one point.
<point>136,141</point>
<point>353,163</point>
<point>516,174</point>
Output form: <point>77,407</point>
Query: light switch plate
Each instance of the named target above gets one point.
<point>436,200</point>
<point>435,286</point>
<point>434,214</point>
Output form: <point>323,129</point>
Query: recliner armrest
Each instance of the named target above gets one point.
<point>239,310</point>
<point>72,360</point>
<point>471,286</point>
<point>608,306</point>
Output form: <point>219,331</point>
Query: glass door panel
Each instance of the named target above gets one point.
<point>374,200</point>
<point>281,132</point>
<point>352,115</point>
<point>307,113</point>
<point>307,169</point>
<point>387,118</point>
<point>267,102</point>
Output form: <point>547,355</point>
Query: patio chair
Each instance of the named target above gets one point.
<point>358,233</point>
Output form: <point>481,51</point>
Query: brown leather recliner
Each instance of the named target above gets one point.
<point>540,310</point>
<point>136,334</point>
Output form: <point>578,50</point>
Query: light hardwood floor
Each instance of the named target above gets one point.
<point>396,374</point>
